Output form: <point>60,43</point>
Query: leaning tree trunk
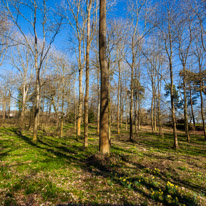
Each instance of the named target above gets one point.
<point>104,144</point>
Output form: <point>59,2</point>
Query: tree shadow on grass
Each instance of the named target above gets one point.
<point>59,151</point>
<point>158,164</point>
<point>4,154</point>
<point>99,168</point>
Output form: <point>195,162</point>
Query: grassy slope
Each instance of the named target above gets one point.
<point>58,171</point>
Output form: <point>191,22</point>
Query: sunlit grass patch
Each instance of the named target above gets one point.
<point>60,170</point>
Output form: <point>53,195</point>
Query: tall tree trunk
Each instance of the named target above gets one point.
<point>191,105</point>
<point>23,105</point>
<point>98,107</point>
<point>159,110</point>
<point>118,98</point>
<point>173,106</point>
<point>75,109</point>
<point>57,111</point>
<point>79,117</point>
<point>4,109</point>
<point>126,126</point>
<point>136,108</point>
<point>62,112</point>
<point>131,93</point>
<point>109,104</point>
<point>104,144</point>
<point>152,114</point>
<point>185,106</point>
<point>170,54</point>
<point>62,126</point>
<point>202,111</point>
<point>139,114</point>
<point>37,86</point>
<point>155,113</point>
<point>9,104</point>
<point>121,105</point>
<point>86,107</point>
<point>37,105</point>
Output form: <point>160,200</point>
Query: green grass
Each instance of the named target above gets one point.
<point>58,171</point>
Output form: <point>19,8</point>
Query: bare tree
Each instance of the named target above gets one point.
<point>89,40</point>
<point>184,36</point>
<point>167,30</point>
<point>139,11</point>
<point>198,51</point>
<point>14,9</point>
<point>23,62</point>
<point>4,31</point>
<point>76,18</point>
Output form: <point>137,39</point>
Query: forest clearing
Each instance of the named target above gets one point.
<point>59,171</point>
<point>102,102</point>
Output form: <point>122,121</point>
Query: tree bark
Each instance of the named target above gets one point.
<point>131,93</point>
<point>139,114</point>
<point>173,106</point>
<point>86,107</point>
<point>136,117</point>
<point>109,104</point>
<point>62,112</point>
<point>75,110</point>
<point>37,85</point>
<point>159,110</point>
<point>118,99</point>
<point>98,106</point>
<point>202,111</point>
<point>191,105</point>
<point>185,105</point>
<point>152,114</point>
<point>155,113</point>
<point>37,105</point>
<point>170,54</point>
<point>104,144</point>
<point>79,116</point>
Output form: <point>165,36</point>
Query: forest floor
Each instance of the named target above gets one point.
<point>58,171</point>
